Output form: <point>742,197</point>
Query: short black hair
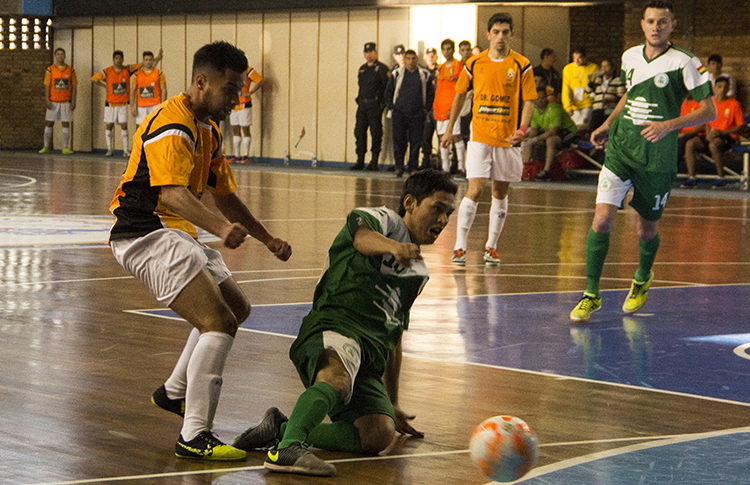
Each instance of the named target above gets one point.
<point>546,52</point>
<point>60,49</point>
<point>148,53</point>
<point>410,51</point>
<point>660,4</point>
<point>219,56</point>
<point>423,184</point>
<point>579,50</point>
<point>715,58</point>
<point>118,53</point>
<point>500,18</point>
<point>463,43</point>
<point>448,42</point>
<point>721,79</point>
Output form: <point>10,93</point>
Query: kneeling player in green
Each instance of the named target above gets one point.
<point>348,351</point>
<point>642,149</point>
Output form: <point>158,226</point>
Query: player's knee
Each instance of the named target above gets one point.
<point>377,433</point>
<point>242,312</point>
<point>225,322</point>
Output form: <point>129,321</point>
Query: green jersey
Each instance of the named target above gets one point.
<point>554,115</point>
<point>656,90</point>
<point>366,298</point>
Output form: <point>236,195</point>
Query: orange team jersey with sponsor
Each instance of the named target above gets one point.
<point>447,77</point>
<point>148,87</point>
<point>250,77</point>
<point>728,115</point>
<point>60,82</point>
<point>118,83</point>
<point>688,106</point>
<point>500,88</point>
<point>171,147</point>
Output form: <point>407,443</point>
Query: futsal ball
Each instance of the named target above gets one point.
<point>504,448</point>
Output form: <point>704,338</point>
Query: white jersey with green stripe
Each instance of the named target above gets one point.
<point>656,89</point>
<point>367,298</point>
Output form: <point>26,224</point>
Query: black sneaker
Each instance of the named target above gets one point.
<point>206,446</point>
<point>357,166</point>
<point>372,167</point>
<point>264,435</point>
<point>160,399</point>
<point>542,176</point>
<point>297,459</point>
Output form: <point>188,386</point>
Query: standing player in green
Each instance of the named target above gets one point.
<point>642,150</point>
<point>348,351</point>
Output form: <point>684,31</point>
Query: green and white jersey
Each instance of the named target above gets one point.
<point>366,298</point>
<point>656,90</point>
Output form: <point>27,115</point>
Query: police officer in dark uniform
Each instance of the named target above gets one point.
<point>430,59</point>
<point>372,78</point>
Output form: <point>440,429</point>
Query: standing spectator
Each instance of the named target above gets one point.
<point>409,95</point>
<point>464,120</point>
<point>430,59</point>
<point>720,134</point>
<point>550,76</point>
<point>398,56</point>
<point>576,76</point>
<point>447,78</point>
<point>550,125</point>
<point>60,97</point>
<point>148,88</point>
<point>715,63</point>
<point>372,79</point>
<point>241,117</point>
<point>607,89</point>
<point>116,80</point>
<point>642,150</point>
<point>504,95</point>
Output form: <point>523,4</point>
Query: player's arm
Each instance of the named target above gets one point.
<point>455,112</point>
<point>163,90</point>
<point>656,130</point>
<point>526,114</point>
<point>159,56</point>
<point>391,383</point>
<point>73,93</point>
<point>256,86</point>
<point>597,137</point>
<point>133,89</point>
<point>236,211</point>
<point>47,101</point>
<point>372,243</point>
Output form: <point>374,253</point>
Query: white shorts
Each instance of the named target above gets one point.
<point>349,352</point>
<point>166,260</point>
<point>611,189</point>
<point>60,112</point>
<point>442,127</point>
<point>143,112</point>
<point>241,117</point>
<point>581,117</point>
<point>503,164</point>
<point>116,114</point>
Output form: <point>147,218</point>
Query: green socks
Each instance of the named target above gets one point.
<point>597,246</point>
<point>311,409</point>
<point>647,252</point>
<point>338,436</point>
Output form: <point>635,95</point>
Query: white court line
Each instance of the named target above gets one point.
<point>652,442</point>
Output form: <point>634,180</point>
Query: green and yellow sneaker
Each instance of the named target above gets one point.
<point>67,151</point>
<point>44,151</point>
<point>206,446</point>
<point>297,459</point>
<point>638,294</point>
<point>588,305</point>
<point>160,399</point>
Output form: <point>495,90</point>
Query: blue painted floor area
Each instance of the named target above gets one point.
<point>683,340</point>
<point>714,460</point>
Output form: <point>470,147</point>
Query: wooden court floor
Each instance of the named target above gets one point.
<point>78,366</point>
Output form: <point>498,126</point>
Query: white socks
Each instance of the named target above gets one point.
<point>110,138</point>
<point>125,141</point>
<point>466,213</point>
<point>445,154</point>
<point>204,380</point>
<point>48,130</point>
<point>176,385</point>
<point>461,153</point>
<point>66,137</point>
<point>498,211</point>
<point>246,143</point>
<point>237,141</point>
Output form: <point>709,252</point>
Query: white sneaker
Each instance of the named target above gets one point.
<point>108,154</point>
<point>126,154</point>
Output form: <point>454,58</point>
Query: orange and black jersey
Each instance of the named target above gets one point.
<point>171,147</point>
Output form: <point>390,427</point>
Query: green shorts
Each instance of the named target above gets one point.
<point>369,395</point>
<point>650,189</point>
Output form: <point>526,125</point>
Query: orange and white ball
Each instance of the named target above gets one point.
<point>504,448</point>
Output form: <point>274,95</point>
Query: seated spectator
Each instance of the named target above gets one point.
<point>685,134</point>
<point>551,77</point>
<point>607,88</point>
<point>576,76</point>
<point>714,68</point>
<point>550,125</point>
<point>720,135</point>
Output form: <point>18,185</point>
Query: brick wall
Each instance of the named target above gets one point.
<point>706,27</point>
<point>599,29</point>
<point>22,104</point>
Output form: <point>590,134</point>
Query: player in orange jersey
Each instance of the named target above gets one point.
<point>148,88</point>
<point>60,97</point>
<point>116,80</point>
<point>447,77</point>
<point>241,117</point>
<point>504,94</point>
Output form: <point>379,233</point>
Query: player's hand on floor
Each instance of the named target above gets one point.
<point>405,253</point>
<point>403,426</point>
<point>234,235</point>
<point>280,248</point>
